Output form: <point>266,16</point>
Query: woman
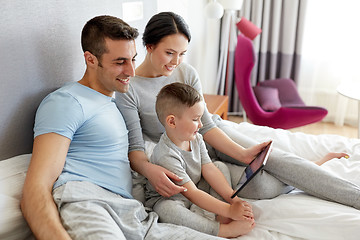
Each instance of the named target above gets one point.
<point>166,39</point>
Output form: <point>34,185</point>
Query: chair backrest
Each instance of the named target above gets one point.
<point>244,63</point>
<point>284,117</point>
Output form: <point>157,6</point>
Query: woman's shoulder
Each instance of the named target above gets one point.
<point>186,68</point>
<point>124,100</point>
<point>185,73</point>
<point>198,139</point>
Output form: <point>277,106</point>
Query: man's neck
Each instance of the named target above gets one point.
<point>87,82</point>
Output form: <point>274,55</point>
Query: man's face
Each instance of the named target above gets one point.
<point>116,66</point>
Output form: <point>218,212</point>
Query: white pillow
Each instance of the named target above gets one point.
<point>12,176</point>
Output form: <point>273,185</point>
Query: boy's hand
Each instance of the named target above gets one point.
<point>159,178</point>
<point>240,210</point>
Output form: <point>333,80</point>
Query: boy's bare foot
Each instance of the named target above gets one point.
<point>330,156</point>
<point>236,228</point>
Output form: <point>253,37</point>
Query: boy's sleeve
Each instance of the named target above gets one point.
<point>172,162</point>
<point>205,158</point>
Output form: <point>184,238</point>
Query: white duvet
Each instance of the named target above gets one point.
<point>287,217</point>
<point>298,215</point>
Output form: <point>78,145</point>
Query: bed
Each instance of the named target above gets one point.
<point>292,216</point>
<point>297,215</point>
<point>41,51</point>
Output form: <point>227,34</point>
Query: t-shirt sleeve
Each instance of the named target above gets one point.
<point>127,104</point>
<point>205,158</point>
<point>170,161</point>
<point>59,113</point>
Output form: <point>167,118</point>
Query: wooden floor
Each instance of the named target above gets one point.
<point>317,128</point>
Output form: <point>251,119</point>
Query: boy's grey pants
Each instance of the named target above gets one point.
<point>180,211</point>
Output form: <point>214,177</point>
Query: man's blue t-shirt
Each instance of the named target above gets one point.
<point>98,151</point>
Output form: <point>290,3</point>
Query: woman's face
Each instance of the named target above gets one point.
<point>166,55</point>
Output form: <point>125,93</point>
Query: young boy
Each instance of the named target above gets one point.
<point>182,150</point>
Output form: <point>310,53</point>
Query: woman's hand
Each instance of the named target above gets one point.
<point>251,152</point>
<point>160,178</point>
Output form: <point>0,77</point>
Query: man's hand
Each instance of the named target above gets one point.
<point>160,178</point>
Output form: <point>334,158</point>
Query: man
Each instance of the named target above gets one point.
<point>78,184</point>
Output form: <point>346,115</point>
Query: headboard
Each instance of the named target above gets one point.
<point>39,51</point>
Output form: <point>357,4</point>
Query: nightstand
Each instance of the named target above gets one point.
<point>217,104</point>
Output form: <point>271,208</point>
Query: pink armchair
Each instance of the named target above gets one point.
<point>277,103</point>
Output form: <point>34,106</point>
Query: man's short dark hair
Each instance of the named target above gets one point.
<point>98,28</point>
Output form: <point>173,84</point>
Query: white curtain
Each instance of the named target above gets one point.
<point>225,72</point>
<point>277,48</point>
<point>330,56</point>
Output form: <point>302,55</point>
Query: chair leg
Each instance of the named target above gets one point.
<point>244,115</point>
<point>341,110</point>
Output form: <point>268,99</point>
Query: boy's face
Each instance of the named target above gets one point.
<point>190,122</point>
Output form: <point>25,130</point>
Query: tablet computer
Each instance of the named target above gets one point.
<point>253,168</point>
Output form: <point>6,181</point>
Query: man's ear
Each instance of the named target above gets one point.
<point>90,59</point>
<point>171,121</point>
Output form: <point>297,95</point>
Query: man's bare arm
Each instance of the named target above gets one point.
<point>37,204</point>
